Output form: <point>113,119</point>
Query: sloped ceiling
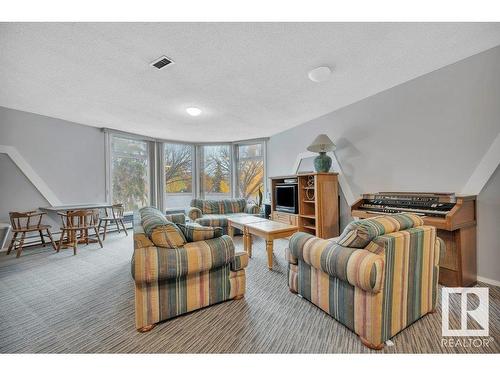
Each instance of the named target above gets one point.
<point>429,134</point>
<point>250,79</point>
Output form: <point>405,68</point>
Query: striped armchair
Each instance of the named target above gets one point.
<point>181,276</point>
<point>214,213</point>
<point>379,276</point>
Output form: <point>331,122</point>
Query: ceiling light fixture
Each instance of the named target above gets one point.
<point>320,74</point>
<point>193,111</point>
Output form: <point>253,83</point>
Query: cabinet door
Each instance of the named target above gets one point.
<point>284,218</point>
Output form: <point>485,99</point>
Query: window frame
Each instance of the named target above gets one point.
<point>151,155</point>
<point>199,167</point>
<point>156,163</point>
<point>263,143</point>
<point>161,168</point>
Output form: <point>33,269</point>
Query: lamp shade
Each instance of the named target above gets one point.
<point>321,144</point>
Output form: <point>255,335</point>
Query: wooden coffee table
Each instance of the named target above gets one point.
<point>239,222</point>
<point>268,230</point>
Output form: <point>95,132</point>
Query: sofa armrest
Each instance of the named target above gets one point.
<point>141,240</point>
<point>194,213</point>
<point>240,261</point>
<point>290,258</point>
<point>153,264</point>
<point>252,209</point>
<point>195,232</point>
<point>358,267</point>
<point>176,218</point>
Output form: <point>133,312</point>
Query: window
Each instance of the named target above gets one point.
<point>129,172</point>
<point>250,171</point>
<point>168,175</point>
<point>178,172</point>
<point>215,173</point>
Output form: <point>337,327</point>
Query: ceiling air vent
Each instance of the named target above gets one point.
<point>162,62</point>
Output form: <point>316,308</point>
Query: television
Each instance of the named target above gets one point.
<point>285,196</point>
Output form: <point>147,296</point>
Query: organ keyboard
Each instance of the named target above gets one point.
<point>453,215</point>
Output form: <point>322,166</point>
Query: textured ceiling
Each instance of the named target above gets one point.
<point>250,79</point>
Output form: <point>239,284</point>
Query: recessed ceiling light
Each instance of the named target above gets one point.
<point>320,74</point>
<point>193,111</point>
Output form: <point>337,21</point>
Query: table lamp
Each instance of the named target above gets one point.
<point>322,144</point>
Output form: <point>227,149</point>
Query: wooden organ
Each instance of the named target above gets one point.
<point>454,217</point>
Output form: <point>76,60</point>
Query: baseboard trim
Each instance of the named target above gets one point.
<point>488,281</point>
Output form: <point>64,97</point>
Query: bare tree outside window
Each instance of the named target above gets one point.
<point>178,168</point>
<point>216,171</point>
<point>178,172</point>
<point>130,172</point>
<point>250,171</point>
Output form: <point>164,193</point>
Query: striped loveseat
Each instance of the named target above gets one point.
<point>214,213</point>
<point>377,278</point>
<point>193,268</point>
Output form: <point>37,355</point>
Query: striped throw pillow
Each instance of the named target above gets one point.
<point>162,232</point>
<point>168,235</point>
<point>360,233</point>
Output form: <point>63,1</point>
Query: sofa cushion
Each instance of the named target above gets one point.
<point>196,232</point>
<point>161,232</point>
<point>221,206</point>
<point>150,218</point>
<point>360,233</point>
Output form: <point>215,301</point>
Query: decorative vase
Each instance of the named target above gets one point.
<point>322,162</point>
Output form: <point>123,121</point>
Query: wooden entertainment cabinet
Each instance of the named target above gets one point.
<point>317,201</point>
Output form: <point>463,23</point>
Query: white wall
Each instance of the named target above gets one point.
<point>69,157</point>
<point>488,220</point>
<point>428,134</point>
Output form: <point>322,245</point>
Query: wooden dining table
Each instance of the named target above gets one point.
<point>75,207</point>
<point>84,236</point>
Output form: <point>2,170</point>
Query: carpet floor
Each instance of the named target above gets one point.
<point>60,303</point>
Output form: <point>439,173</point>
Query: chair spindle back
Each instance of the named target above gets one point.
<point>117,210</point>
<point>79,218</point>
<point>22,220</point>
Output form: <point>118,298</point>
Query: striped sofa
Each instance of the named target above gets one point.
<point>173,281</point>
<point>214,213</point>
<point>377,278</point>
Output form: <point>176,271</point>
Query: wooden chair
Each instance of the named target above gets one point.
<point>26,222</point>
<point>115,217</point>
<point>78,221</point>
